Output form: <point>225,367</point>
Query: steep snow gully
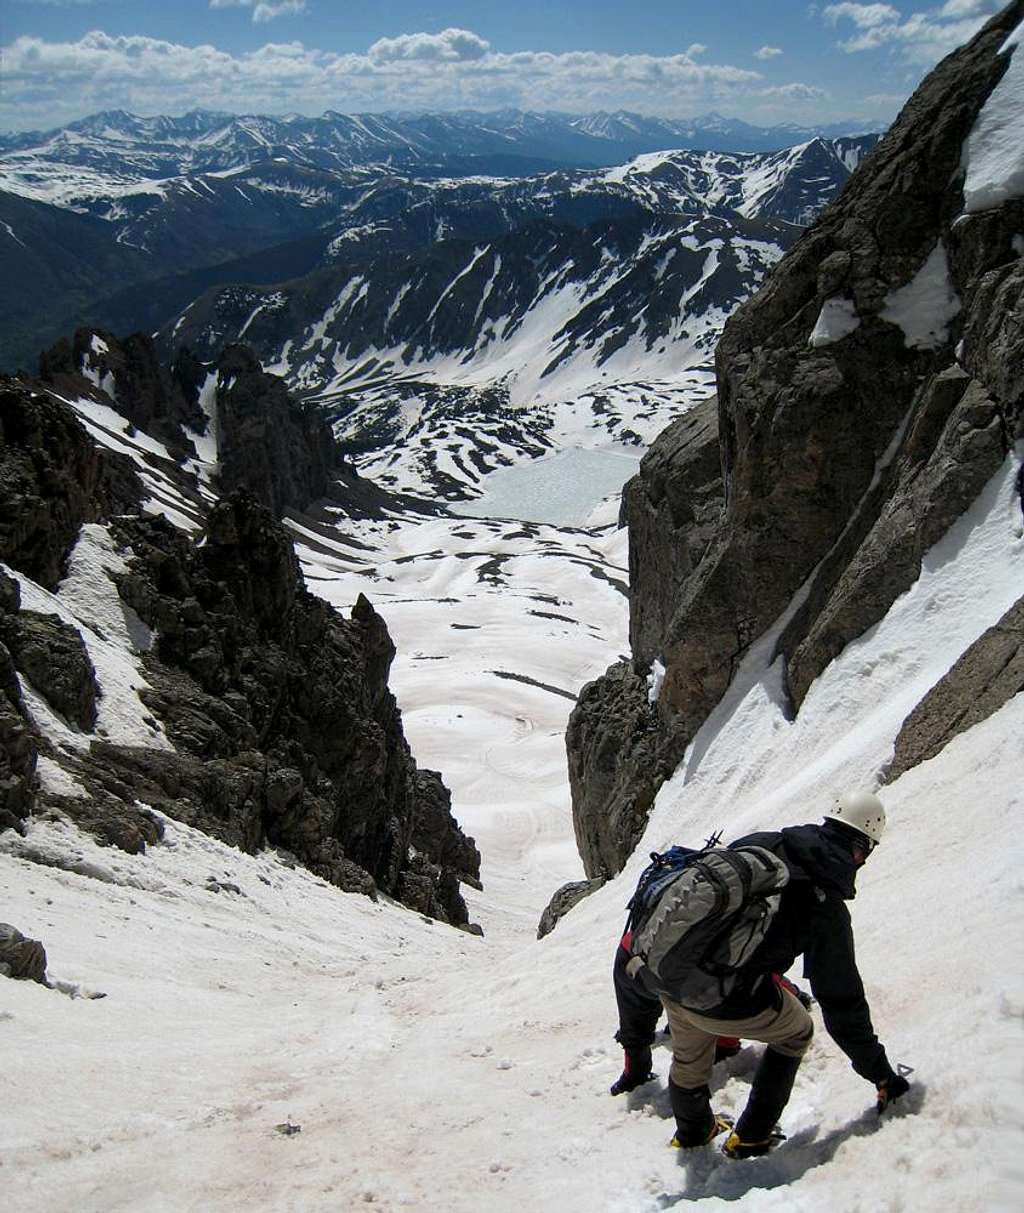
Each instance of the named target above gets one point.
<point>265,1041</point>
<point>228,1032</point>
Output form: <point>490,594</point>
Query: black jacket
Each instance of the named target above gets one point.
<point>812,921</point>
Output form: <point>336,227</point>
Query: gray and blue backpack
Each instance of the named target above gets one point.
<point>698,916</point>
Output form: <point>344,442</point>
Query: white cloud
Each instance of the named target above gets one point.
<point>864,16</point>
<point>48,83</point>
<point>449,46</point>
<point>923,38</point>
<point>767,52</point>
<point>794,92</point>
<point>964,8</point>
<point>264,10</point>
<point>695,49</point>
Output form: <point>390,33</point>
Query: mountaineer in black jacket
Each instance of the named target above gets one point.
<point>812,921</point>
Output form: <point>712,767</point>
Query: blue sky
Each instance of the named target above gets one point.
<point>765,61</point>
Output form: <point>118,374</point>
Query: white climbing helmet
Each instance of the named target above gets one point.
<point>861,811</point>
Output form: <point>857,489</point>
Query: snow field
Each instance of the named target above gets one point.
<point>428,1068</point>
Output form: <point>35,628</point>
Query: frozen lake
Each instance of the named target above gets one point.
<point>563,489</point>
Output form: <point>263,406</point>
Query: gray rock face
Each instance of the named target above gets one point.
<point>52,479</point>
<point>279,450</point>
<point>988,675</point>
<point>53,657</point>
<point>152,397</point>
<point>281,710</point>
<point>846,451</point>
<point>673,507</point>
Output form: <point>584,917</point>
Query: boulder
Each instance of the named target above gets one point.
<point>21,958</point>
<point>563,900</point>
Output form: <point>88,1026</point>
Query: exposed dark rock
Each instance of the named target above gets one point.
<point>617,762</point>
<point>21,958</point>
<point>672,506</point>
<point>843,458</point>
<point>53,657</point>
<point>109,812</point>
<point>987,676</point>
<point>955,444</point>
<point>52,479</point>
<point>18,750</point>
<point>152,398</point>
<point>18,756</point>
<point>563,900</point>
<point>280,450</point>
<point>291,735</point>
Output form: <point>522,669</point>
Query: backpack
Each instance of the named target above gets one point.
<point>698,916</point>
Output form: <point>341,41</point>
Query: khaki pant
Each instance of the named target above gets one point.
<point>788,1030</point>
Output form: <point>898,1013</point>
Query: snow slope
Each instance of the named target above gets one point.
<point>268,1042</point>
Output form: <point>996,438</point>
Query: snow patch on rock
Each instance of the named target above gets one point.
<point>924,307</point>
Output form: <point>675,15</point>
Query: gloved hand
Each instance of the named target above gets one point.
<point>889,1089</point>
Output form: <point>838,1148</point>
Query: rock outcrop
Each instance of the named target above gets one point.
<point>280,450</point>
<point>277,448</point>
<point>21,958</point>
<point>283,725</point>
<point>154,398</point>
<point>285,728</point>
<point>53,478</point>
<point>988,675</point>
<point>18,747</point>
<point>866,394</point>
<point>52,655</point>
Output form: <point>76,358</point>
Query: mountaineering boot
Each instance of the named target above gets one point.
<point>696,1123</point>
<point>636,1071</point>
<point>735,1147</point>
<point>769,1094</point>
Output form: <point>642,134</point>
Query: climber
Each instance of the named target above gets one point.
<point>639,1012</point>
<point>811,920</point>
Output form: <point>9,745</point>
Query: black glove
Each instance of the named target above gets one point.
<point>889,1089</point>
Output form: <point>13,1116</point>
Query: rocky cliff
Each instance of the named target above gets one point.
<point>271,717</point>
<point>866,394</point>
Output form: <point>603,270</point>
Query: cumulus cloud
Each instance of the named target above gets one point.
<point>923,37</point>
<point>449,46</point>
<point>767,52</point>
<point>864,16</point>
<point>794,92</point>
<point>46,83</point>
<point>695,49</point>
<point>264,10</point>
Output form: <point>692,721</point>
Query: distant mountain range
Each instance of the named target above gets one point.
<point>115,143</point>
<point>122,222</point>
